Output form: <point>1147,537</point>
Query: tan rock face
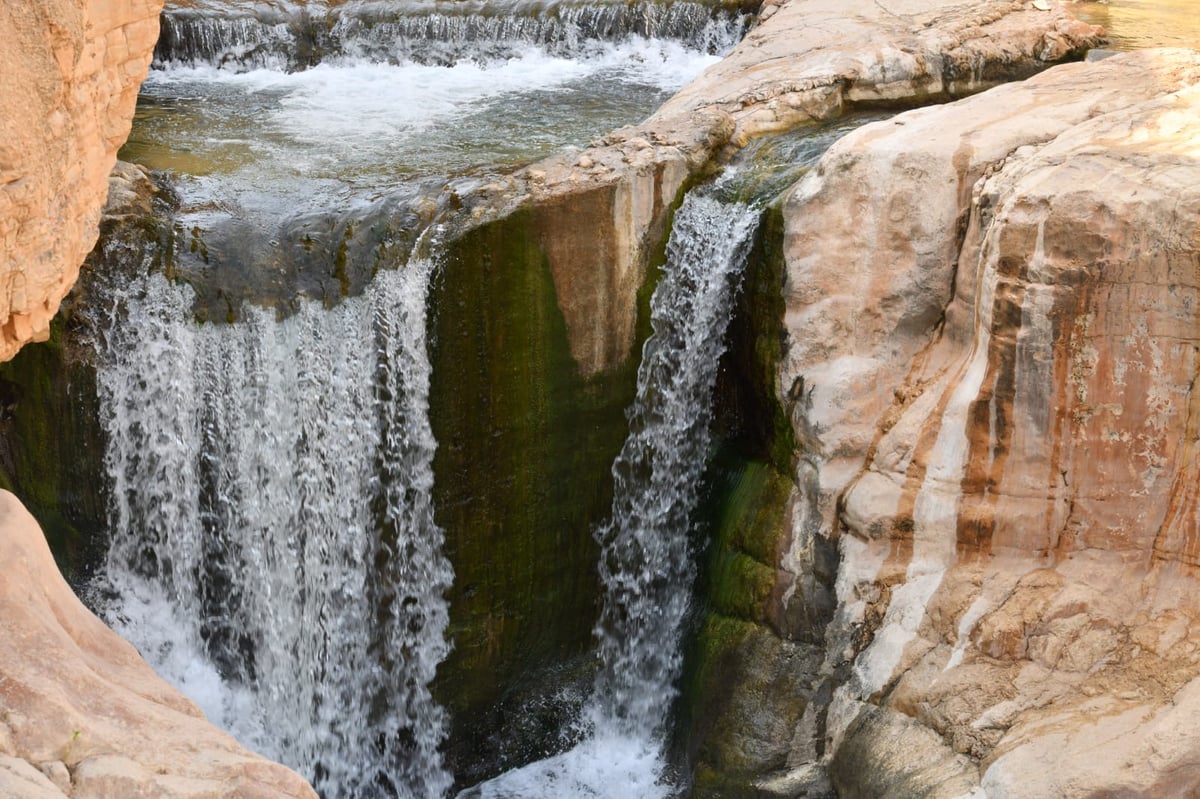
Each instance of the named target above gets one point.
<point>991,317</point>
<point>809,60</point>
<point>81,713</point>
<point>813,59</point>
<point>69,76</point>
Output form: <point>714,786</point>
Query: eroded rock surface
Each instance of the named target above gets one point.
<point>70,76</point>
<point>81,714</point>
<point>992,355</point>
<point>808,61</point>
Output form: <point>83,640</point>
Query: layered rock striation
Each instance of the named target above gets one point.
<point>71,71</point>
<point>82,715</point>
<point>991,363</point>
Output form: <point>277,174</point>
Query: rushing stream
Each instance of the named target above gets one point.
<point>273,548</point>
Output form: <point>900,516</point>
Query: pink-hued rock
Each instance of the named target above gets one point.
<point>69,77</point>
<point>81,714</point>
<point>992,353</point>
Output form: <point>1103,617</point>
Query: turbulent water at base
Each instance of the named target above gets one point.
<point>646,561</point>
<point>273,547</point>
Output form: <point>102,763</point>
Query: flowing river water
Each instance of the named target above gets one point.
<point>273,545</point>
<point>273,550</point>
<point>646,563</point>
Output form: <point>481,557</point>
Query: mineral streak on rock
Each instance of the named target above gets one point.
<point>70,76</point>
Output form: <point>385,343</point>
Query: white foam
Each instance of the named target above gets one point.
<point>602,767</point>
<point>272,484</point>
<point>362,112</point>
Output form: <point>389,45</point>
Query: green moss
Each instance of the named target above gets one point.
<point>749,417</point>
<point>745,586</point>
<point>750,526</point>
<point>51,451</point>
<point>522,474</point>
<point>745,686</point>
<point>754,690</point>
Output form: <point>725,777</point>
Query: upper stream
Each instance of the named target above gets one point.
<point>266,114</point>
<point>1135,24</point>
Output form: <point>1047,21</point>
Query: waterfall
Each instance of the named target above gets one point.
<point>273,550</point>
<point>646,565</point>
<point>646,561</point>
<point>260,36</point>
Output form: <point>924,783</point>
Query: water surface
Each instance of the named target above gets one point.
<point>1138,24</point>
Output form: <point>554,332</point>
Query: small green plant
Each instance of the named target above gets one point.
<point>69,749</point>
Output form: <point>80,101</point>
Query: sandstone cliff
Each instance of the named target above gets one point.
<point>991,363</point>
<point>81,714</point>
<point>69,77</point>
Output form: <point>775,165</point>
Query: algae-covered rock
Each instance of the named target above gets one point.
<point>526,444</point>
<point>754,662</point>
<point>51,449</point>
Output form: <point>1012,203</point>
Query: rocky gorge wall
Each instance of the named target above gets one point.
<point>995,396</point>
<point>840,498</point>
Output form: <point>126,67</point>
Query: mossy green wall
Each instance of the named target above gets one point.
<point>522,476</point>
<point>51,446</point>
<point>51,440</point>
<point>748,680</point>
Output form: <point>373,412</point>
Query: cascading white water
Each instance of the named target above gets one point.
<point>273,549</point>
<point>258,35</point>
<point>646,561</point>
<point>413,92</point>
